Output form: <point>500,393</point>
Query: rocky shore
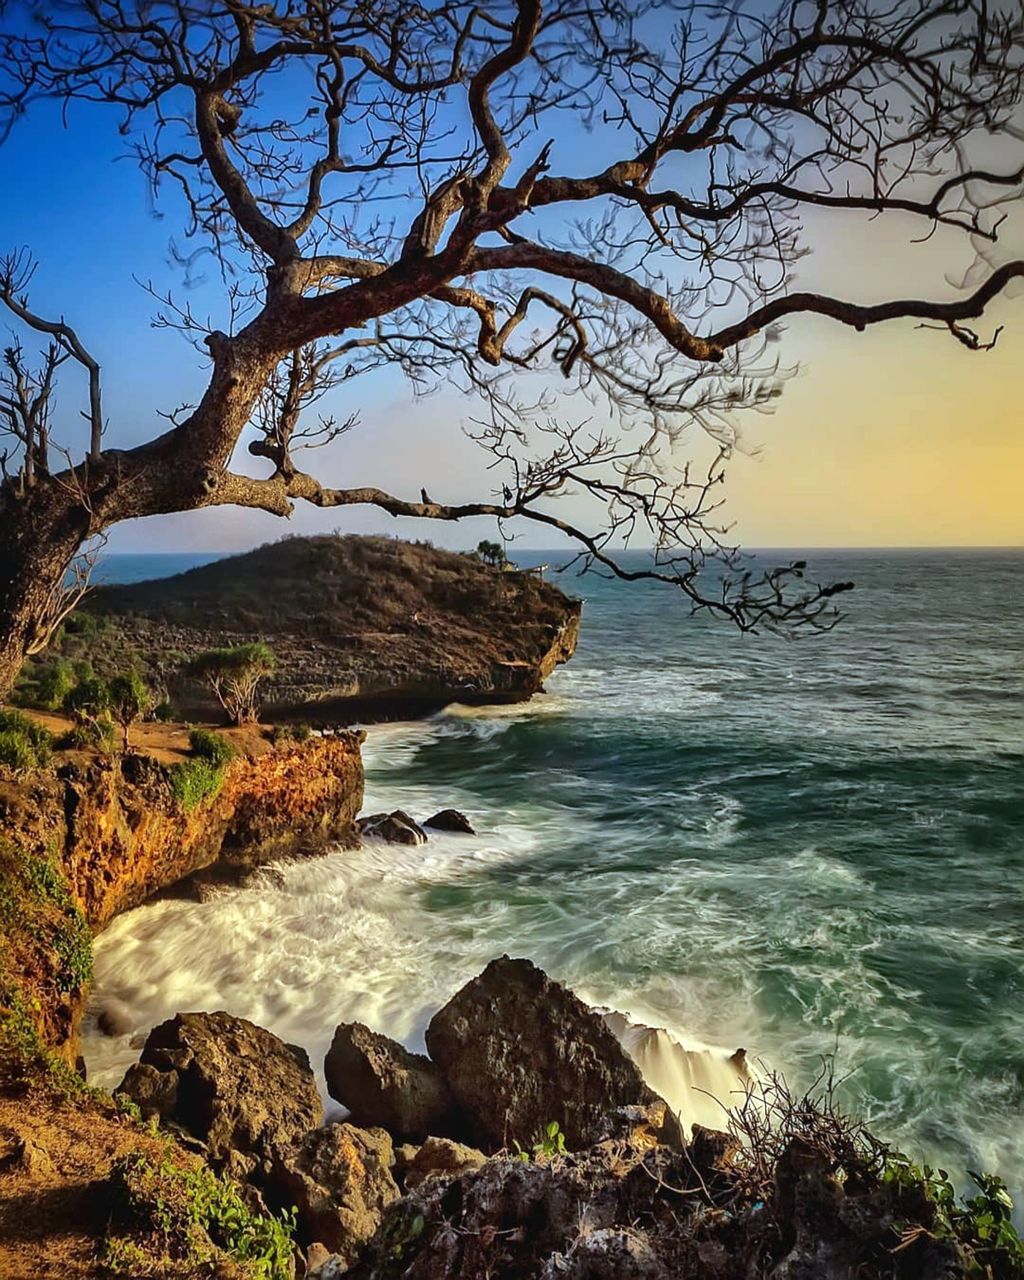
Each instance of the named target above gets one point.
<point>526,1145</point>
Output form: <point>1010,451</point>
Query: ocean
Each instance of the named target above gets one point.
<point>812,849</point>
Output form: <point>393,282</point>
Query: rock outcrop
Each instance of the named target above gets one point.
<point>440,1158</point>
<point>338,1178</point>
<point>233,1086</point>
<point>368,628</point>
<point>382,1083</point>
<point>519,1050</point>
<point>393,828</point>
<point>450,820</point>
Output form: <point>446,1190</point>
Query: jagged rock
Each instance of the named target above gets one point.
<point>610,1253</point>
<point>450,820</point>
<point>382,1083</point>
<point>235,1087</point>
<point>519,1050</point>
<point>114,1020</point>
<point>395,828</point>
<point>441,1158</point>
<point>339,1179</point>
<point>153,1091</point>
<point>511,1218</point>
<point>20,1154</point>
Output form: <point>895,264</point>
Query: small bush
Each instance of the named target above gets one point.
<point>88,700</point>
<point>83,624</point>
<point>176,1215</point>
<point>49,684</point>
<point>23,743</point>
<point>211,746</point>
<point>16,751</point>
<point>164,712</point>
<point>91,735</point>
<point>194,781</point>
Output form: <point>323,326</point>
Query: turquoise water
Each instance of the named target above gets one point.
<point>803,848</point>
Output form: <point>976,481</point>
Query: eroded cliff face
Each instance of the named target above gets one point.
<point>126,837</point>
<point>108,831</point>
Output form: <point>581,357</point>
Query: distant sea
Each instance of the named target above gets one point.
<point>805,848</point>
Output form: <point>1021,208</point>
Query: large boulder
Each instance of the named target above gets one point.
<point>519,1050</point>
<point>235,1087</point>
<point>339,1180</point>
<point>382,1083</point>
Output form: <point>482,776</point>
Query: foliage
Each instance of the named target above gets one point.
<point>23,743</point>
<point>210,746</point>
<point>234,676</point>
<point>98,735</point>
<point>194,781</point>
<point>550,1143</point>
<point>130,699</point>
<point>45,940</point>
<point>983,1222</point>
<point>172,1215</point>
<point>46,684</point>
<point>88,700</point>
<point>492,553</point>
<point>164,711</point>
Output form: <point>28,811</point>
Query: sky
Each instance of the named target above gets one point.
<point>892,437</point>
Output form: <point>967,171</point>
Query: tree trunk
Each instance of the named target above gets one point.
<point>40,533</point>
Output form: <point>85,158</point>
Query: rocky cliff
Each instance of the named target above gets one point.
<point>362,628</point>
<point>110,831</point>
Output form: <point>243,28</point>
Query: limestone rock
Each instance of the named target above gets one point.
<point>519,1050</point>
<point>394,828</point>
<point>450,820</point>
<point>339,1179</point>
<point>441,1158</point>
<point>382,1083</point>
<point>234,1086</point>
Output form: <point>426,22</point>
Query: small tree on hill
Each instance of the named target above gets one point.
<point>492,553</point>
<point>234,676</point>
<point>130,699</point>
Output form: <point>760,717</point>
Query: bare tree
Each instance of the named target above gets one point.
<point>390,183</point>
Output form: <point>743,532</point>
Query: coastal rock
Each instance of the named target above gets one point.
<point>394,828</point>
<point>235,1087</point>
<point>450,820</point>
<point>519,1050</point>
<point>441,1158</point>
<point>369,628</point>
<point>339,1180</point>
<point>382,1083</point>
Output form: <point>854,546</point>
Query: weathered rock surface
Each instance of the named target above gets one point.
<point>441,1158</point>
<point>395,828</point>
<point>519,1050</point>
<point>382,1083</point>
<point>450,820</point>
<point>235,1087</point>
<point>339,1179</point>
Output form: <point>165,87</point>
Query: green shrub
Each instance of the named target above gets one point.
<point>88,700</point>
<point>211,746</point>
<point>174,1216</point>
<point>164,711</point>
<point>23,743</point>
<point>83,624</point>
<point>99,735</point>
<point>194,781</point>
<point>16,751</point>
<point>47,684</point>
